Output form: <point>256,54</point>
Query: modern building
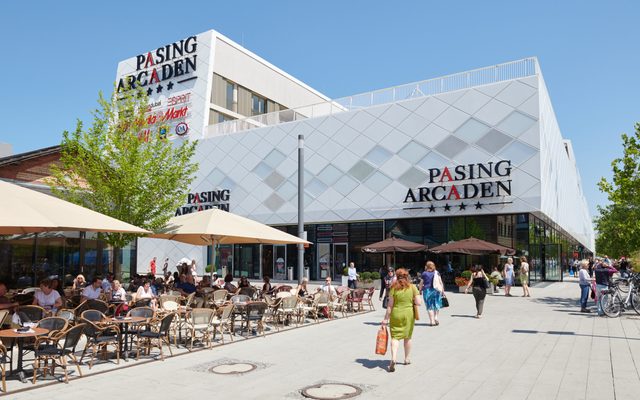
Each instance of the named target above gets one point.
<point>477,153</point>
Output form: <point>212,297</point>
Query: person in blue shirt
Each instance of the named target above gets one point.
<point>185,287</point>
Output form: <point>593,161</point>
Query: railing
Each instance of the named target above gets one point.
<point>449,83</point>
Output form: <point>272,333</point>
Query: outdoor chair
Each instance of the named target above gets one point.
<point>99,336</point>
<point>222,323</point>
<point>220,297</point>
<point>255,313</point>
<point>283,288</point>
<point>342,289</point>
<point>4,315</point>
<point>199,322</point>
<point>168,297</point>
<point>189,299</point>
<point>272,309</point>
<point>57,349</point>
<point>247,291</point>
<point>53,324</point>
<point>340,304</point>
<point>368,297</point>
<point>355,300</point>
<point>144,312</point>
<point>282,295</point>
<point>3,359</point>
<point>288,309</point>
<point>31,313</point>
<point>156,336</point>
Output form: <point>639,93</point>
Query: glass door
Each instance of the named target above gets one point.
<point>280,261</point>
<point>339,259</point>
<point>268,261</point>
<point>552,263</point>
<point>324,256</point>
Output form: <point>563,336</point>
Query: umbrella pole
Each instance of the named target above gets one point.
<point>213,259</point>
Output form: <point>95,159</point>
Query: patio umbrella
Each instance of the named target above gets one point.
<point>24,210</point>
<point>393,245</point>
<point>214,226</point>
<point>472,246</point>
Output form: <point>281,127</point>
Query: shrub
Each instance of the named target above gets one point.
<point>366,276</point>
<point>345,271</point>
<point>466,274</point>
<point>460,281</point>
<point>375,275</point>
<point>207,269</point>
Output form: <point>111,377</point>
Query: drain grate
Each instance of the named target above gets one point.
<point>331,391</point>
<point>233,368</point>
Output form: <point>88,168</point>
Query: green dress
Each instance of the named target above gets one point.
<point>401,321</point>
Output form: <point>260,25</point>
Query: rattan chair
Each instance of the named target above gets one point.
<point>222,323</point>
<point>156,336</point>
<point>99,336</point>
<point>57,349</point>
<point>199,322</point>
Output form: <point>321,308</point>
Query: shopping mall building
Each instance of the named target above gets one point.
<point>477,153</point>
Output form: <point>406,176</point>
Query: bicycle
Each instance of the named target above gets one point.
<point>614,300</point>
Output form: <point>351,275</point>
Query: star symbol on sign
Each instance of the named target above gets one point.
<point>462,206</point>
<point>478,205</point>
<point>447,207</point>
<point>149,92</point>
<point>159,89</point>
<point>170,85</point>
<point>432,208</point>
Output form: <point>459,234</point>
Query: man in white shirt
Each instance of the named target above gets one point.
<point>106,283</point>
<point>328,287</point>
<point>93,291</point>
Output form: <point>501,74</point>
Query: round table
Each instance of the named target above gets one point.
<point>125,321</point>
<point>19,338</point>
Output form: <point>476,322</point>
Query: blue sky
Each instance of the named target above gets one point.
<point>56,56</point>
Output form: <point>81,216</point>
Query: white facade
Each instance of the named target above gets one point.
<point>362,157</point>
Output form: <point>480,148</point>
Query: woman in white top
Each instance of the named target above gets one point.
<point>145,292</point>
<point>118,293</point>
<point>524,276</point>
<point>508,274</point>
<point>46,297</point>
<point>194,272</point>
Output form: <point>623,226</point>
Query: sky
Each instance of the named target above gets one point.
<point>57,56</point>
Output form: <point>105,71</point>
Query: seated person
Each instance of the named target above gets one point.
<point>144,292</point>
<point>107,283</point>
<point>118,293</point>
<point>185,287</point>
<point>158,286</point>
<point>302,290</point>
<point>328,287</point>
<point>55,285</point>
<point>46,297</point>
<point>79,282</point>
<point>5,303</point>
<point>228,284</point>
<point>243,282</point>
<point>205,282</point>
<point>93,291</point>
<point>266,286</point>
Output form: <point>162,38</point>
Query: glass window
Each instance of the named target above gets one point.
<point>230,89</point>
<point>257,105</point>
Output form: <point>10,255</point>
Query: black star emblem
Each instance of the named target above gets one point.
<point>478,205</point>
<point>159,89</point>
<point>170,85</point>
<point>447,207</point>
<point>432,208</point>
<point>462,206</point>
<point>149,92</point>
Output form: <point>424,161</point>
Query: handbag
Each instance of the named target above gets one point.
<point>381,340</point>
<point>437,282</point>
<point>445,302</point>
<point>385,301</point>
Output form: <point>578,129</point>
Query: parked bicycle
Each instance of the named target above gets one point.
<point>622,294</point>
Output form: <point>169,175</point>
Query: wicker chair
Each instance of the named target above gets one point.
<point>288,309</point>
<point>3,360</point>
<point>57,349</point>
<point>255,313</point>
<point>368,298</point>
<point>99,336</point>
<point>31,313</point>
<point>220,297</point>
<point>356,299</point>
<point>199,322</point>
<point>222,323</point>
<point>156,336</point>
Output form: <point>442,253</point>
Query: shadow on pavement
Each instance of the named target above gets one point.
<point>570,333</point>
<point>462,316</point>
<point>371,364</point>
<point>558,302</point>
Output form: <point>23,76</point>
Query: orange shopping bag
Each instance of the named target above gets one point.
<point>381,340</point>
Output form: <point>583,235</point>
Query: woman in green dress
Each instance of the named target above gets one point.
<point>399,316</point>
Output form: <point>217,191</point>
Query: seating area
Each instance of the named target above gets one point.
<point>96,336</point>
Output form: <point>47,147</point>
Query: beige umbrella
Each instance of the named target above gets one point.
<point>214,226</point>
<point>24,210</point>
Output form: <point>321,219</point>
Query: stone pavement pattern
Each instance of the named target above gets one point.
<point>522,348</point>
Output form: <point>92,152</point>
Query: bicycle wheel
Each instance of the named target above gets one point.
<point>635,301</point>
<point>611,305</point>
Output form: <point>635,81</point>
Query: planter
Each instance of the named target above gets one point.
<point>461,289</point>
<point>345,280</point>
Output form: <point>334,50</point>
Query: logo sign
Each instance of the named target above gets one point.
<point>182,129</point>
<point>200,201</point>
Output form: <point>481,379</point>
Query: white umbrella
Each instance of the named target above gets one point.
<point>214,226</point>
<point>24,210</point>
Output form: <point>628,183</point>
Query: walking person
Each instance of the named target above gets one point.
<point>524,276</point>
<point>585,285</point>
<point>400,315</point>
<point>353,275</point>
<point>432,289</point>
<point>152,266</point>
<point>388,279</point>
<point>383,273</point>
<point>478,279</point>
<point>508,274</point>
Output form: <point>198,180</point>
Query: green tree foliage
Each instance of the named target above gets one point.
<point>618,223</point>
<point>121,167</point>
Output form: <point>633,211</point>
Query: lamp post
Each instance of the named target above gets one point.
<point>301,233</point>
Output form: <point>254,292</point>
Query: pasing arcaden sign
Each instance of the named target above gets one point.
<point>200,201</point>
<point>462,182</point>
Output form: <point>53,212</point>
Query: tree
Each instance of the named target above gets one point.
<point>119,168</point>
<point>618,224</point>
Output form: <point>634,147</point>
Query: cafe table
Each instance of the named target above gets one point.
<point>18,337</point>
<point>124,321</point>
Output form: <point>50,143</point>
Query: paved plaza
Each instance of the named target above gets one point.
<point>522,348</point>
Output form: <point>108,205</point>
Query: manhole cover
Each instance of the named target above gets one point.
<point>331,391</point>
<point>232,368</point>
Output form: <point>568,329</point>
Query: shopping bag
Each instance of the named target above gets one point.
<point>381,340</point>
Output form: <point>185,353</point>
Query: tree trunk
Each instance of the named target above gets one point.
<point>116,266</point>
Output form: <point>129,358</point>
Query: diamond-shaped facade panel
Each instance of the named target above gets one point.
<point>493,141</point>
<point>451,146</point>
